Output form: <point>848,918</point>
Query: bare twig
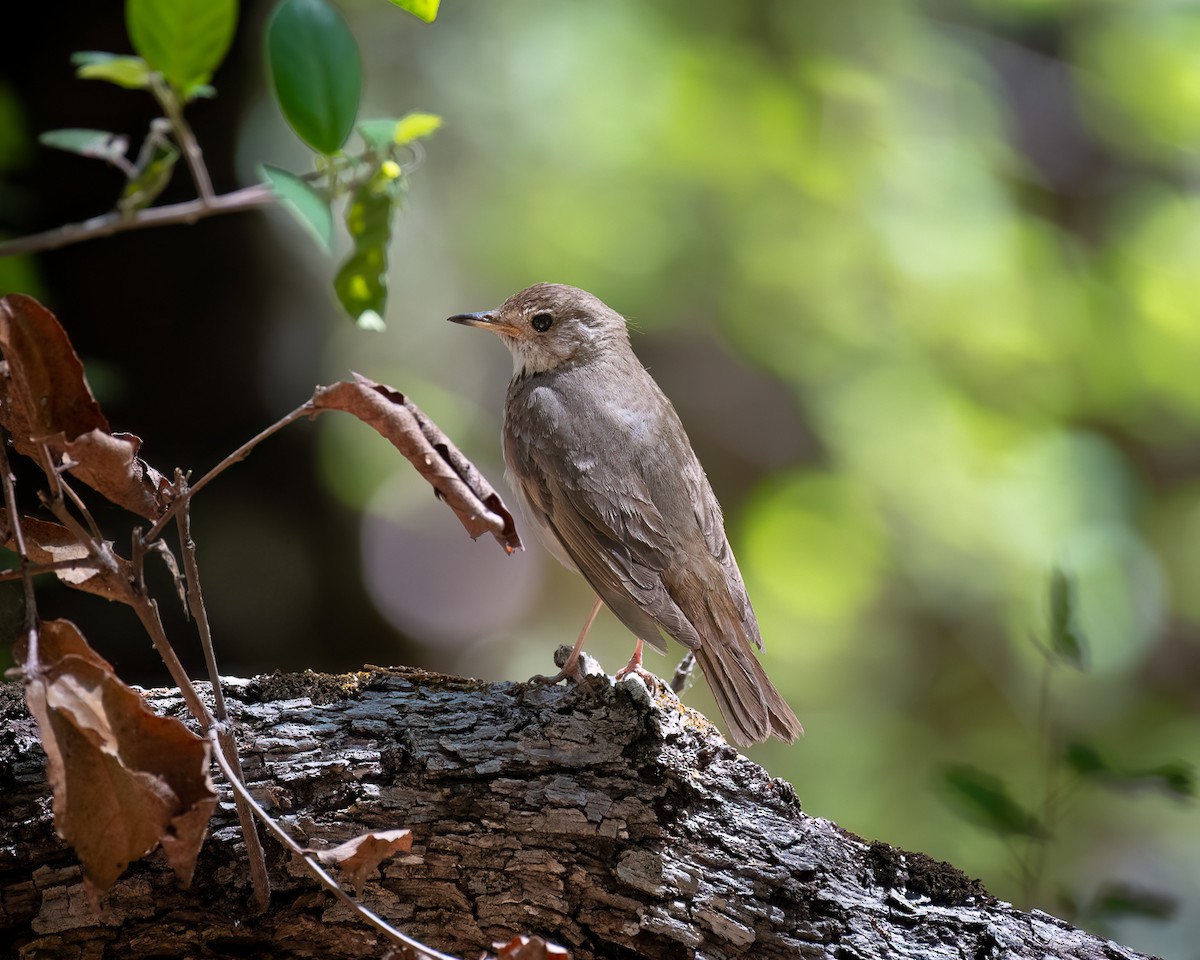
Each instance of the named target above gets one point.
<point>37,569</point>
<point>248,198</point>
<point>319,872</point>
<point>226,743</point>
<point>241,453</point>
<point>187,141</point>
<point>54,473</point>
<point>14,520</point>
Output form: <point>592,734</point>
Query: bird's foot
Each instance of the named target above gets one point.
<point>634,666</point>
<point>570,668</point>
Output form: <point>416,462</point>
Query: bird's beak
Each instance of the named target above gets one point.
<point>488,320</point>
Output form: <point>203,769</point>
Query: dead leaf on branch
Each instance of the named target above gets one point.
<point>522,947</point>
<point>45,399</point>
<point>361,856</point>
<point>124,778</point>
<point>51,542</point>
<point>453,477</point>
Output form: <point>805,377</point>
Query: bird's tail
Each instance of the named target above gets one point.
<point>749,702</point>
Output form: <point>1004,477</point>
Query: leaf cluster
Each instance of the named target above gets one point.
<point>316,75</point>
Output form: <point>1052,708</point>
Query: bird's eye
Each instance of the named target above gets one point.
<point>541,322</point>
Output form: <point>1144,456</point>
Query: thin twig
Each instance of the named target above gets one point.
<point>54,473</point>
<point>37,569</point>
<point>189,211</point>
<point>321,874</point>
<point>14,521</point>
<point>241,453</point>
<point>187,140</point>
<point>227,744</point>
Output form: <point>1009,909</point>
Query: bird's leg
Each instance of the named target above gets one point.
<point>570,667</point>
<point>635,666</point>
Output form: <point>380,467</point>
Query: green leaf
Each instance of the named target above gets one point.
<point>151,180</point>
<point>385,133</point>
<point>378,134</point>
<point>184,40</point>
<point>308,206</point>
<point>426,10</point>
<point>361,283</point>
<point>316,71</point>
<point>132,73</point>
<point>87,143</point>
<point>416,126</point>
<point>1085,760</point>
<point>985,800</point>
<point>1176,778</point>
<point>1066,640</point>
<point>1121,900</point>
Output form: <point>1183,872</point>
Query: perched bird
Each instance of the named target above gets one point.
<point>606,474</point>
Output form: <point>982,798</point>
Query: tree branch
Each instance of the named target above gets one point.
<point>619,825</point>
<point>248,198</point>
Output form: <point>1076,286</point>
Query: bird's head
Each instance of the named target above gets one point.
<point>550,324</point>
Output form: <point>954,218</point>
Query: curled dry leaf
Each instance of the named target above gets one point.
<point>51,542</point>
<point>45,399</point>
<point>360,857</point>
<point>124,778</point>
<point>453,477</point>
<point>522,947</point>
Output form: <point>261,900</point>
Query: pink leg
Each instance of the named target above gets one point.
<point>571,667</point>
<point>635,666</point>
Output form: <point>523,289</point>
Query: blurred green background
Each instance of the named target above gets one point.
<point>922,279</point>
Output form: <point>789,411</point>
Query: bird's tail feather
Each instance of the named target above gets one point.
<point>749,702</point>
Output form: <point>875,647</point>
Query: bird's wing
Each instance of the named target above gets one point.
<point>606,520</point>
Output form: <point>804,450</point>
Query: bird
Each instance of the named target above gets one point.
<point>604,471</point>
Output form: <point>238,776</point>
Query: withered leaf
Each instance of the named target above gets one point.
<point>124,778</point>
<point>453,477</point>
<point>522,947</point>
<point>45,399</point>
<point>361,856</point>
<point>47,376</point>
<point>48,542</point>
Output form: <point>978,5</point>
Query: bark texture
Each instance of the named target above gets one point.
<point>614,823</point>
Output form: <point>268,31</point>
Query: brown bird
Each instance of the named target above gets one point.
<point>606,474</point>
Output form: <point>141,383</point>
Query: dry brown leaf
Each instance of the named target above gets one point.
<point>522,947</point>
<point>124,778</point>
<point>453,477</point>
<point>47,542</point>
<point>45,399</point>
<point>361,856</point>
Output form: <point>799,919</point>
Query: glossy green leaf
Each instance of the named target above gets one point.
<point>132,73</point>
<point>152,179</point>
<point>426,10</point>
<point>1066,639</point>
<point>985,800</point>
<point>184,40</point>
<point>308,206</point>
<point>316,72</point>
<point>100,144</point>
<point>361,283</point>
